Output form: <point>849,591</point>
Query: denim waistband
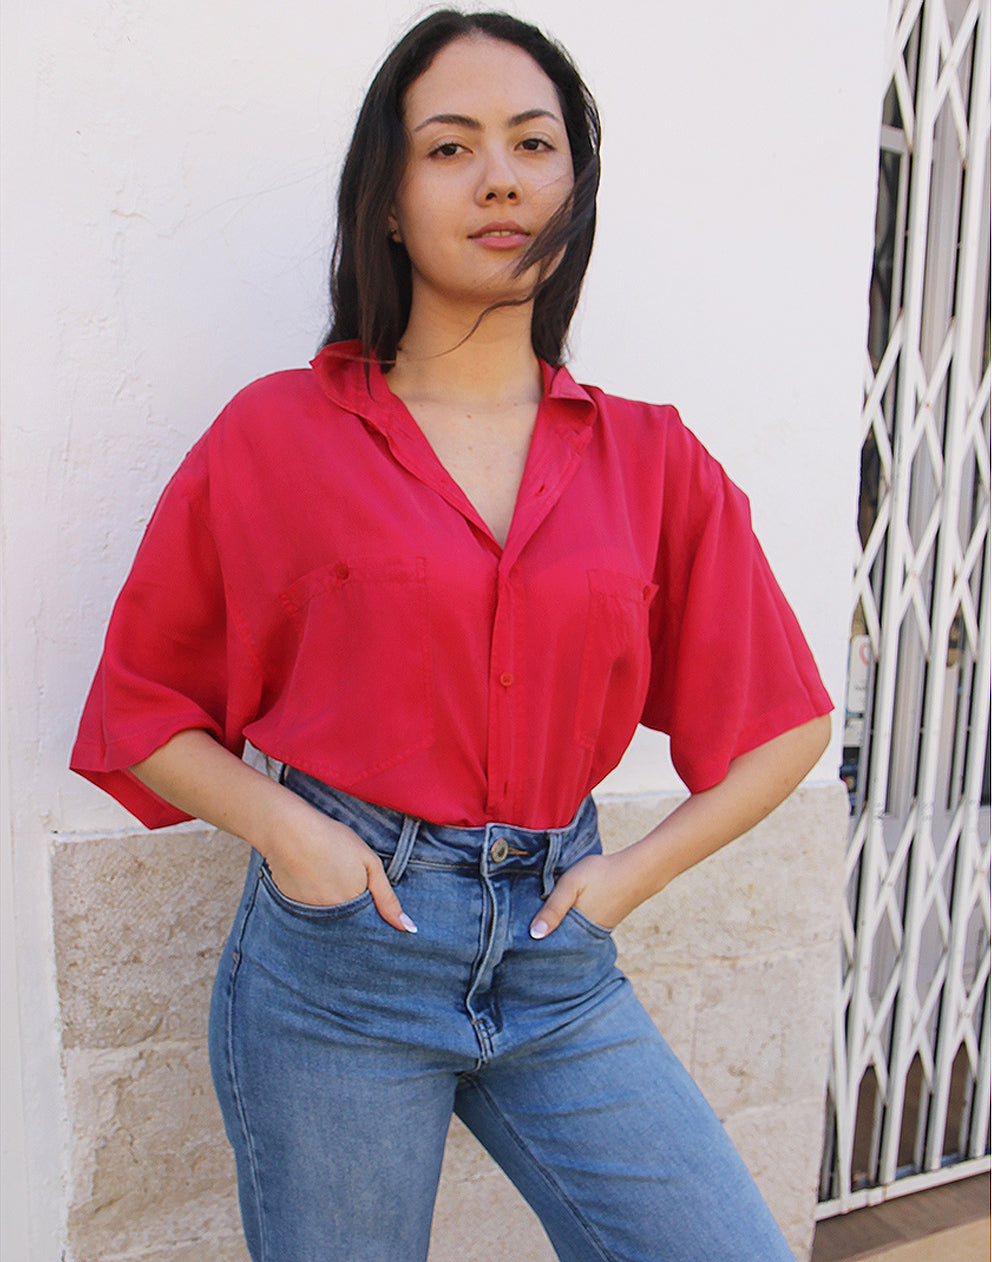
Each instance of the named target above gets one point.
<point>493,848</point>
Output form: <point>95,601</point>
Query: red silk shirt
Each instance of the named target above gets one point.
<point>313,580</point>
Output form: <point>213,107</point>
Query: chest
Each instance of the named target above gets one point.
<point>342,491</point>
<point>484,454</point>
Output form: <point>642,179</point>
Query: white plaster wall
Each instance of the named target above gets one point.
<point>168,173</point>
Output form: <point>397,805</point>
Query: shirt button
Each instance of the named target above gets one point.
<point>342,571</point>
<point>500,850</point>
<point>506,679</point>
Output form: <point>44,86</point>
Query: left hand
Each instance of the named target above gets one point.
<point>603,887</point>
<point>608,887</point>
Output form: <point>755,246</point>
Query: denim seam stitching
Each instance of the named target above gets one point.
<point>542,1171</point>
<point>597,932</point>
<point>315,911</point>
<point>235,1089</point>
<point>486,946</point>
<point>437,866</point>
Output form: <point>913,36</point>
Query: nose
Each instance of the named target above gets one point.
<point>499,181</point>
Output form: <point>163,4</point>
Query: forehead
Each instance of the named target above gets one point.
<point>480,77</point>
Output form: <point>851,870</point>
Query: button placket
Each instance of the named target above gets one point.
<point>504,696</point>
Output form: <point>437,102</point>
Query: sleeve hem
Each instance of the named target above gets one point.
<point>147,807</point>
<point>706,774</point>
<point>108,767</point>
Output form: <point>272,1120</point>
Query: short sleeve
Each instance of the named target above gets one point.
<point>731,668</point>
<point>176,655</point>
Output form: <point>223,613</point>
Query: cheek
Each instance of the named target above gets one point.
<point>557,187</point>
<point>567,179</point>
<point>419,208</point>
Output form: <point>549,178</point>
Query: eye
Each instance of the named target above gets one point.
<point>447,149</point>
<point>535,144</point>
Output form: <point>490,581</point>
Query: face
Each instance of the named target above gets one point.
<point>487,167</point>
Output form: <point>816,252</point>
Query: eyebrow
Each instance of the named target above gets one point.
<point>473,124</point>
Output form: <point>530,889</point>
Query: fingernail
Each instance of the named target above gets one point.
<point>407,923</point>
<point>539,929</point>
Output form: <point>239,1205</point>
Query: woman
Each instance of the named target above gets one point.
<point>442,583</point>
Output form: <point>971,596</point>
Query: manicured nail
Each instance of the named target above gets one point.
<point>407,923</point>
<point>539,929</point>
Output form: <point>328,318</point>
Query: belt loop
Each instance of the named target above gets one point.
<point>551,862</point>
<point>404,848</point>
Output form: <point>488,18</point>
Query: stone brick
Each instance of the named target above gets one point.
<point>776,888</point>
<point>151,1165</point>
<point>139,926</point>
<point>762,1031</point>
<point>215,1249</point>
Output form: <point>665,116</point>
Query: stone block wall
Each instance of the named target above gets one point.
<point>139,926</point>
<point>736,962</point>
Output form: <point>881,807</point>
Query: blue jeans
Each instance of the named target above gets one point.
<point>340,1048</point>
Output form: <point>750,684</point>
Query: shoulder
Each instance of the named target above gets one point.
<point>616,407</point>
<point>658,421</point>
<point>280,398</point>
<point>696,492</point>
<point>270,420</point>
<point>263,430</point>
<point>657,432</point>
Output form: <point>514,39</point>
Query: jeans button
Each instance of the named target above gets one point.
<point>500,850</point>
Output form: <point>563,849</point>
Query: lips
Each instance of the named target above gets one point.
<point>501,232</point>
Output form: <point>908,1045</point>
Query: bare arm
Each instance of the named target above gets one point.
<point>312,858</point>
<point>608,887</point>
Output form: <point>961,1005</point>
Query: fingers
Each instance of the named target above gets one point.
<point>561,898</point>
<point>386,903</point>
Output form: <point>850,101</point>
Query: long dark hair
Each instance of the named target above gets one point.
<point>370,273</point>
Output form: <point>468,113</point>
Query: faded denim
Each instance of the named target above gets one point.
<point>340,1048</point>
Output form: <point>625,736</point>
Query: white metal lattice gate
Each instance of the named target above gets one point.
<point>908,1102</point>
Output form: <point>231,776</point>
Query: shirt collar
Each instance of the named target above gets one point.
<point>560,384</point>
<point>340,368</point>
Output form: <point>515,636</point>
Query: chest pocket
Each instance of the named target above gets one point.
<point>362,670</point>
<point>616,655</point>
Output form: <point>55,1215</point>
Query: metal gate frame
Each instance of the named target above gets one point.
<point>908,1098</point>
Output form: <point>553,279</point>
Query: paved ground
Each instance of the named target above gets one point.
<point>947,1224</point>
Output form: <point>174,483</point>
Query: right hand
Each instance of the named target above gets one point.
<point>312,858</point>
<point>325,863</point>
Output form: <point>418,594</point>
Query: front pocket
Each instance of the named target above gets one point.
<point>590,926</point>
<point>616,655</point>
<point>312,911</point>
<point>363,653</point>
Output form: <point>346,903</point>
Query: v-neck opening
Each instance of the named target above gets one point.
<point>557,439</point>
<point>402,407</point>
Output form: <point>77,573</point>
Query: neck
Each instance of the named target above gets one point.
<point>439,358</point>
